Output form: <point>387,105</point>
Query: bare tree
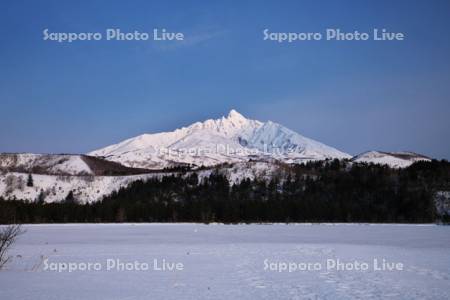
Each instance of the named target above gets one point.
<point>8,236</point>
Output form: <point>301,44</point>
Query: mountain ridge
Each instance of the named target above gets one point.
<point>401,159</point>
<point>63,165</point>
<point>228,139</point>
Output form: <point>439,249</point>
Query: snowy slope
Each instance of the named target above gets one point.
<point>229,139</point>
<point>66,164</point>
<point>93,188</point>
<point>63,164</point>
<point>56,188</point>
<point>392,159</point>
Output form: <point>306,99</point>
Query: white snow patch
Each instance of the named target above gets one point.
<point>392,159</point>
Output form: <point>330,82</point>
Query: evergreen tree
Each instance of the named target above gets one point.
<point>70,199</point>
<point>30,180</point>
<point>313,192</point>
<point>41,198</point>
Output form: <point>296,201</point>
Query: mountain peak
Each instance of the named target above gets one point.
<point>234,115</point>
<point>232,138</point>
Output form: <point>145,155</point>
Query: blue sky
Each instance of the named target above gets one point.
<point>355,96</point>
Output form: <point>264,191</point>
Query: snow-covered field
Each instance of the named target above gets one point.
<point>229,262</point>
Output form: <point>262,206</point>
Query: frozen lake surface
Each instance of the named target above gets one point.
<point>229,262</point>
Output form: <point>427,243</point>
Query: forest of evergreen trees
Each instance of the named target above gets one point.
<point>333,191</point>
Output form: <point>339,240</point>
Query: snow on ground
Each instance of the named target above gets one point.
<point>56,188</point>
<point>392,159</point>
<point>442,202</point>
<point>251,170</point>
<point>51,163</point>
<point>93,188</point>
<point>228,262</point>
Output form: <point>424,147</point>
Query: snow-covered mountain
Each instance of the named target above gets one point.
<point>392,159</point>
<point>62,164</point>
<point>229,139</point>
<point>59,164</point>
<point>251,148</point>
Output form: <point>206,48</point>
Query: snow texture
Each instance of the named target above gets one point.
<point>93,188</point>
<point>67,164</point>
<point>391,159</point>
<point>56,188</point>
<point>229,139</point>
<point>227,261</point>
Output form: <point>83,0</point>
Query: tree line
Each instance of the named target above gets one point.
<point>330,191</point>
